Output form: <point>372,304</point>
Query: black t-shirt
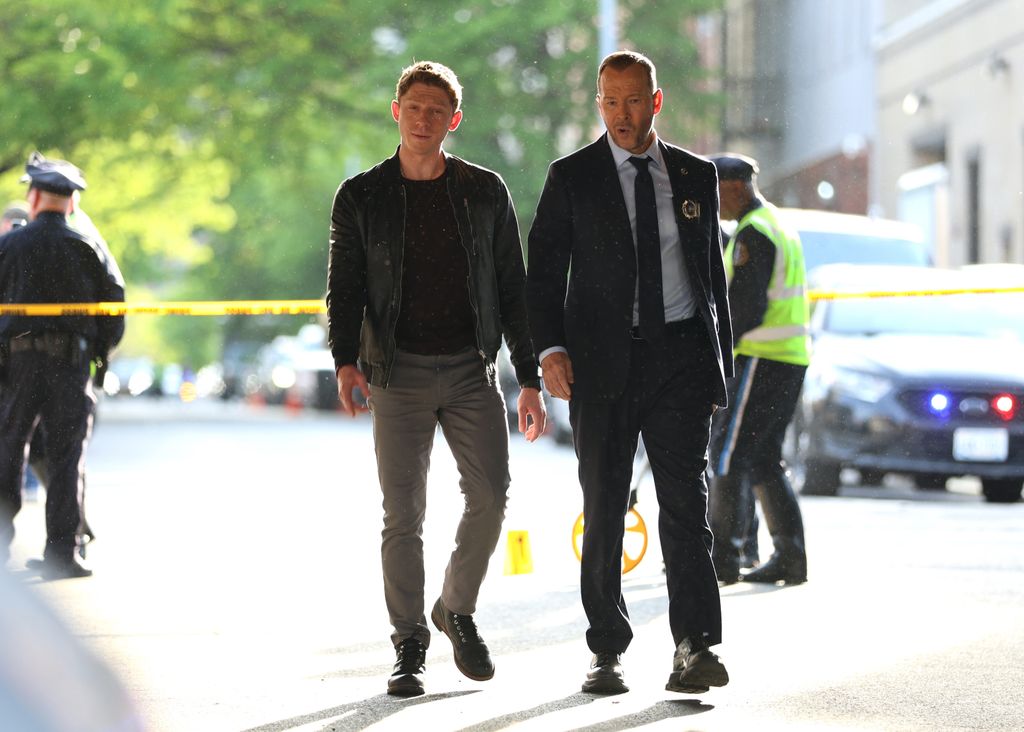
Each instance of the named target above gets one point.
<point>435,316</point>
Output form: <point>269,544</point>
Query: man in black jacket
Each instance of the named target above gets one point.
<point>47,359</point>
<point>425,277</point>
<point>629,313</point>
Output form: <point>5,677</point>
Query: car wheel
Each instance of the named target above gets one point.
<point>870,477</point>
<point>821,478</point>
<point>929,482</point>
<point>1001,490</point>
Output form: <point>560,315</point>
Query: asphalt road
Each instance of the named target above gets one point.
<point>237,587</point>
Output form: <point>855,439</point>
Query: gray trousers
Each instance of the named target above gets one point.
<point>423,392</point>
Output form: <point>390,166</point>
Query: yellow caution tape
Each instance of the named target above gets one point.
<point>301,307</point>
<point>826,295</point>
<point>222,307</point>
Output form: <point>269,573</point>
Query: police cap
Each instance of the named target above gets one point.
<point>15,211</point>
<point>55,176</point>
<point>733,166</point>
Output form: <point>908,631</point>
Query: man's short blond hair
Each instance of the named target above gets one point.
<point>622,60</point>
<point>434,74</point>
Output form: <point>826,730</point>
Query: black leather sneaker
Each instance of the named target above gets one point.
<point>605,675</point>
<point>411,664</point>
<point>695,668</point>
<point>471,655</point>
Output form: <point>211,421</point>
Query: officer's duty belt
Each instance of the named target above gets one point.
<point>69,346</point>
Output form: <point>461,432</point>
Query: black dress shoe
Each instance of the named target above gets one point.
<point>727,574</point>
<point>779,569</point>
<point>471,655</point>
<point>52,568</point>
<point>411,664</point>
<point>695,668</point>
<point>605,675</point>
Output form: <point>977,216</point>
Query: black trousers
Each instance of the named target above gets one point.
<point>42,390</point>
<point>668,399</point>
<point>747,451</point>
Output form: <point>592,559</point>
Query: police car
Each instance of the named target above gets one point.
<point>925,386</point>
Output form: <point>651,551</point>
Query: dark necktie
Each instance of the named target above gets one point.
<point>648,253</point>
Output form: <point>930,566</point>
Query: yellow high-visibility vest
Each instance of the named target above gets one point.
<point>784,335</point>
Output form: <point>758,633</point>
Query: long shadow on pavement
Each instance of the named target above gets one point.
<point>356,715</point>
<point>655,713</point>
<point>573,700</point>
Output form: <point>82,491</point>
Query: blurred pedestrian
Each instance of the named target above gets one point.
<point>770,319</point>
<point>15,214</point>
<point>47,359</point>
<point>628,309</point>
<point>425,275</point>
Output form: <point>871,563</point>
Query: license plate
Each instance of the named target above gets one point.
<point>981,444</point>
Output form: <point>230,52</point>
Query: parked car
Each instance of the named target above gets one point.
<point>295,370</point>
<point>927,386</point>
<point>131,376</point>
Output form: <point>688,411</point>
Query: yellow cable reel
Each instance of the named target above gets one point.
<point>634,539</point>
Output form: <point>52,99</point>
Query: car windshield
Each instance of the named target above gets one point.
<point>987,315</point>
<point>824,247</point>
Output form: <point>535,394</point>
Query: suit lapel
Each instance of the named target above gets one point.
<point>690,208</point>
<point>605,198</point>
<point>610,198</point>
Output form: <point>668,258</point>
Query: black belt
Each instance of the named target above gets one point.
<point>60,345</point>
<point>676,327</point>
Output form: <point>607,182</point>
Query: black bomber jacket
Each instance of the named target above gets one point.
<point>364,274</point>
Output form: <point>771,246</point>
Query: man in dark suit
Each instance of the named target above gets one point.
<point>628,310</point>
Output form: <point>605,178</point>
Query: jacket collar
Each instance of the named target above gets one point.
<point>620,155</point>
<point>391,168</point>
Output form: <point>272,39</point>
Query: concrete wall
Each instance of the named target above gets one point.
<point>801,99</point>
<point>951,91</point>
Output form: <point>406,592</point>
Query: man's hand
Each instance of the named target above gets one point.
<point>349,378</point>
<point>533,416</point>
<point>557,370</point>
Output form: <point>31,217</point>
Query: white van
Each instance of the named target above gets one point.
<point>829,238</point>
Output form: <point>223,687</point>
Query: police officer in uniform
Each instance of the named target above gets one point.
<point>770,318</point>
<point>46,360</point>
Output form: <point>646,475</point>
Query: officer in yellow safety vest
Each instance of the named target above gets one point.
<point>770,314</point>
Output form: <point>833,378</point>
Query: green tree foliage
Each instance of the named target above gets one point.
<point>215,132</point>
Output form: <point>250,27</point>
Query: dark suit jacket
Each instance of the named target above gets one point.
<point>581,273</point>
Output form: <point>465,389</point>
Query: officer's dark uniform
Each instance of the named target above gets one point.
<point>747,437</point>
<point>46,361</point>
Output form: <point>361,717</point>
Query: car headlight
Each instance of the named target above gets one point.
<point>283,377</point>
<point>859,385</point>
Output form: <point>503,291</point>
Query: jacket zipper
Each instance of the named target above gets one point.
<point>469,277</point>
<point>396,293</point>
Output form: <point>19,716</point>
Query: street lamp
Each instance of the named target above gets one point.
<point>914,102</point>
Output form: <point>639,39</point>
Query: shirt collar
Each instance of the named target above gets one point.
<point>622,156</point>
